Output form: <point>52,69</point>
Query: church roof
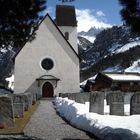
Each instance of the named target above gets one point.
<point>59,32</point>
<point>65,15</point>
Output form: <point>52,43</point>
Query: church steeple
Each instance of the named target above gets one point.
<point>67,23</point>
<point>65,15</point>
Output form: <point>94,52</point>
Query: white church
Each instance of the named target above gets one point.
<point>49,65</point>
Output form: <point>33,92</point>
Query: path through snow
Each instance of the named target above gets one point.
<point>46,124</point>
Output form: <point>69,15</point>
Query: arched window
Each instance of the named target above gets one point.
<point>67,35</point>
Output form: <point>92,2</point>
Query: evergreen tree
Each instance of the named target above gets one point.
<point>131,14</point>
<point>19,20</point>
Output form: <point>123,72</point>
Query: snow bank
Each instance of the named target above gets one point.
<point>105,127</point>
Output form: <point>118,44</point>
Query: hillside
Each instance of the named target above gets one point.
<point>114,49</point>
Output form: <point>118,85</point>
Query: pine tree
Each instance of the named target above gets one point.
<point>131,14</point>
<point>19,20</point>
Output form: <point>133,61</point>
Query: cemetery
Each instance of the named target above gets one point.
<point>115,99</point>
<point>15,105</point>
<point>115,124</point>
<point>15,112</point>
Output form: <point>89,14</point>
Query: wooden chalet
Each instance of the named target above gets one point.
<point>117,81</point>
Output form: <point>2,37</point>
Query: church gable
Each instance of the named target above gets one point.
<point>60,37</point>
<point>52,27</point>
<point>49,44</point>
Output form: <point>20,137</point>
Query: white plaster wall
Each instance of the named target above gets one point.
<point>48,43</point>
<point>72,35</point>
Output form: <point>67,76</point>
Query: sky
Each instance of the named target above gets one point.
<point>92,13</point>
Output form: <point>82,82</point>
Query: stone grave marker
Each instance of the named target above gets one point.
<point>26,98</point>
<point>6,111</point>
<point>82,97</point>
<point>72,96</point>
<point>18,109</point>
<point>97,102</point>
<point>135,104</point>
<point>116,103</point>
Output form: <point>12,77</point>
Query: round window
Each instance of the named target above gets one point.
<point>47,64</point>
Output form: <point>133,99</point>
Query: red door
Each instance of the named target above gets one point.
<point>47,90</point>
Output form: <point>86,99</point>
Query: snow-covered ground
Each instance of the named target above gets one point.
<point>135,67</point>
<point>11,82</point>
<point>105,127</point>
<point>113,69</point>
<point>90,38</point>
<point>128,46</point>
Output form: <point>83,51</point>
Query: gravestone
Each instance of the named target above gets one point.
<point>127,97</point>
<point>108,99</point>
<point>72,96</point>
<point>63,95</point>
<point>82,97</point>
<point>26,98</point>
<point>135,104</point>
<point>18,109</point>
<point>6,111</point>
<point>60,94</point>
<point>34,98</point>
<point>116,103</point>
<point>97,102</point>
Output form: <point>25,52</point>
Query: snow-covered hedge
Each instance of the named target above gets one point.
<point>105,127</point>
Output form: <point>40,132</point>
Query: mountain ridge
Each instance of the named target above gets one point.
<point>108,51</point>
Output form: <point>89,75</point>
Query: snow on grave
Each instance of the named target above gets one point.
<point>105,127</point>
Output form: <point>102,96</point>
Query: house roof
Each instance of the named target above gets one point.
<point>126,77</point>
<point>59,32</point>
<point>65,15</point>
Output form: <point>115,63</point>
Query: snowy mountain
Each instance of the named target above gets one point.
<point>114,49</point>
<point>91,33</point>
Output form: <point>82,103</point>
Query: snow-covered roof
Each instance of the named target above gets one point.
<point>123,76</point>
<point>92,79</point>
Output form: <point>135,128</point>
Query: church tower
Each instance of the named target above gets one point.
<point>66,22</point>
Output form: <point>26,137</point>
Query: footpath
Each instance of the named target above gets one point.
<point>46,124</point>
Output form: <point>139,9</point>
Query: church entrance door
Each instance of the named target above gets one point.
<point>47,90</point>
